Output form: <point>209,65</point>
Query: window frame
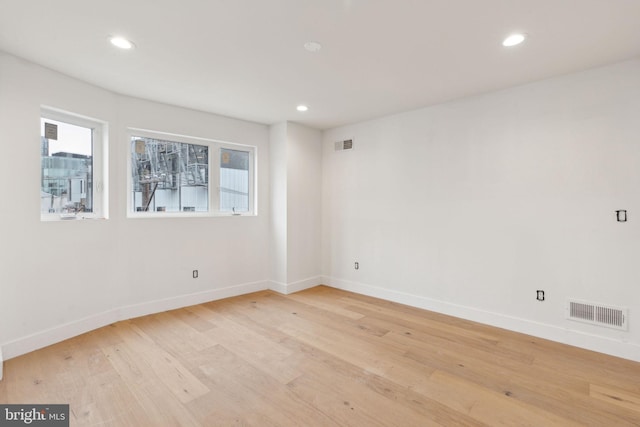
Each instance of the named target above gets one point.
<point>214,154</point>
<point>99,141</point>
<point>252,177</point>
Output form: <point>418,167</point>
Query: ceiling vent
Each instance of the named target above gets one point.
<point>347,144</point>
<point>598,314</point>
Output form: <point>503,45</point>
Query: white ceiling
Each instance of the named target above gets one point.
<point>245,58</point>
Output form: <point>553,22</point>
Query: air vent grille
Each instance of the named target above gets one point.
<point>347,144</point>
<point>597,314</point>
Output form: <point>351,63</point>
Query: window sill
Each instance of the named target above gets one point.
<point>68,218</point>
<point>173,215</point>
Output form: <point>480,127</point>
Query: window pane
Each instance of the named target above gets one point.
<point>234,180</point>
<point>66,185</point>
<point>169,176</point>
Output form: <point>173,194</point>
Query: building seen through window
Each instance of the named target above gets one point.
<point>169,176</point>
<point>66,186</point>
<point>234,180</point>
<point>190,175</point>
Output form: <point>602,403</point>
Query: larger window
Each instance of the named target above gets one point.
<point>174,175</point>
<point>71,179</point>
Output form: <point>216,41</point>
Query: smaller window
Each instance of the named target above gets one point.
<point>71,180</point>
<point>235,179</point>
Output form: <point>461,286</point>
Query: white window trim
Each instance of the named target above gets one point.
<point>214,175</point>
<point>100,138</point>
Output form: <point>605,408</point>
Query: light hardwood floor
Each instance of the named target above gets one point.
<point>321,357</point>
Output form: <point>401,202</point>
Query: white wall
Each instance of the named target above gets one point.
<point>471,206</point>
<point>62,278</point>
<point>304,169</point>
<point>278,206</point>
<point>296,165</point>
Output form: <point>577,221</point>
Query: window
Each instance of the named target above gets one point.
<point>71,182</point>
<point>169,176</point>
<point>174,175</point>
<point>234,180</point>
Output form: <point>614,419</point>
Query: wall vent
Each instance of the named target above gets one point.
<point>347,144</point>
<point>598,314</point>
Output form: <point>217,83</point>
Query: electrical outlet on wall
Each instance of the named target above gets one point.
<point>195,274</point>
<point>540,295</point>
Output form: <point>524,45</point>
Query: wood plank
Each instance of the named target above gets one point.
<point>559,397</point>
<point>184,385</point>
<point>256,391</point>
<point>359,353</point>
<point>255,348</point>
<point>168,331</point>
<point>480,340</point>
<point>397,394</point>
<point>150,393</point>
<point>493,408</point>
<point>327,306</point>
<point>616,397</point>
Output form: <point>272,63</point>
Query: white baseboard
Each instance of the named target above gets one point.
<point>613,347</point>
<point>278,287</point>
<point>59,333</point>
<point>297,286</point>
<point>137,310</point>
<point>68,330</point>
<point>307,283</point>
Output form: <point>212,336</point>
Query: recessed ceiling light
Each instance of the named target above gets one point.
<point>514,39</point>
<point>312,47</point>
<point>302,108</point>
<point>121,42</point>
